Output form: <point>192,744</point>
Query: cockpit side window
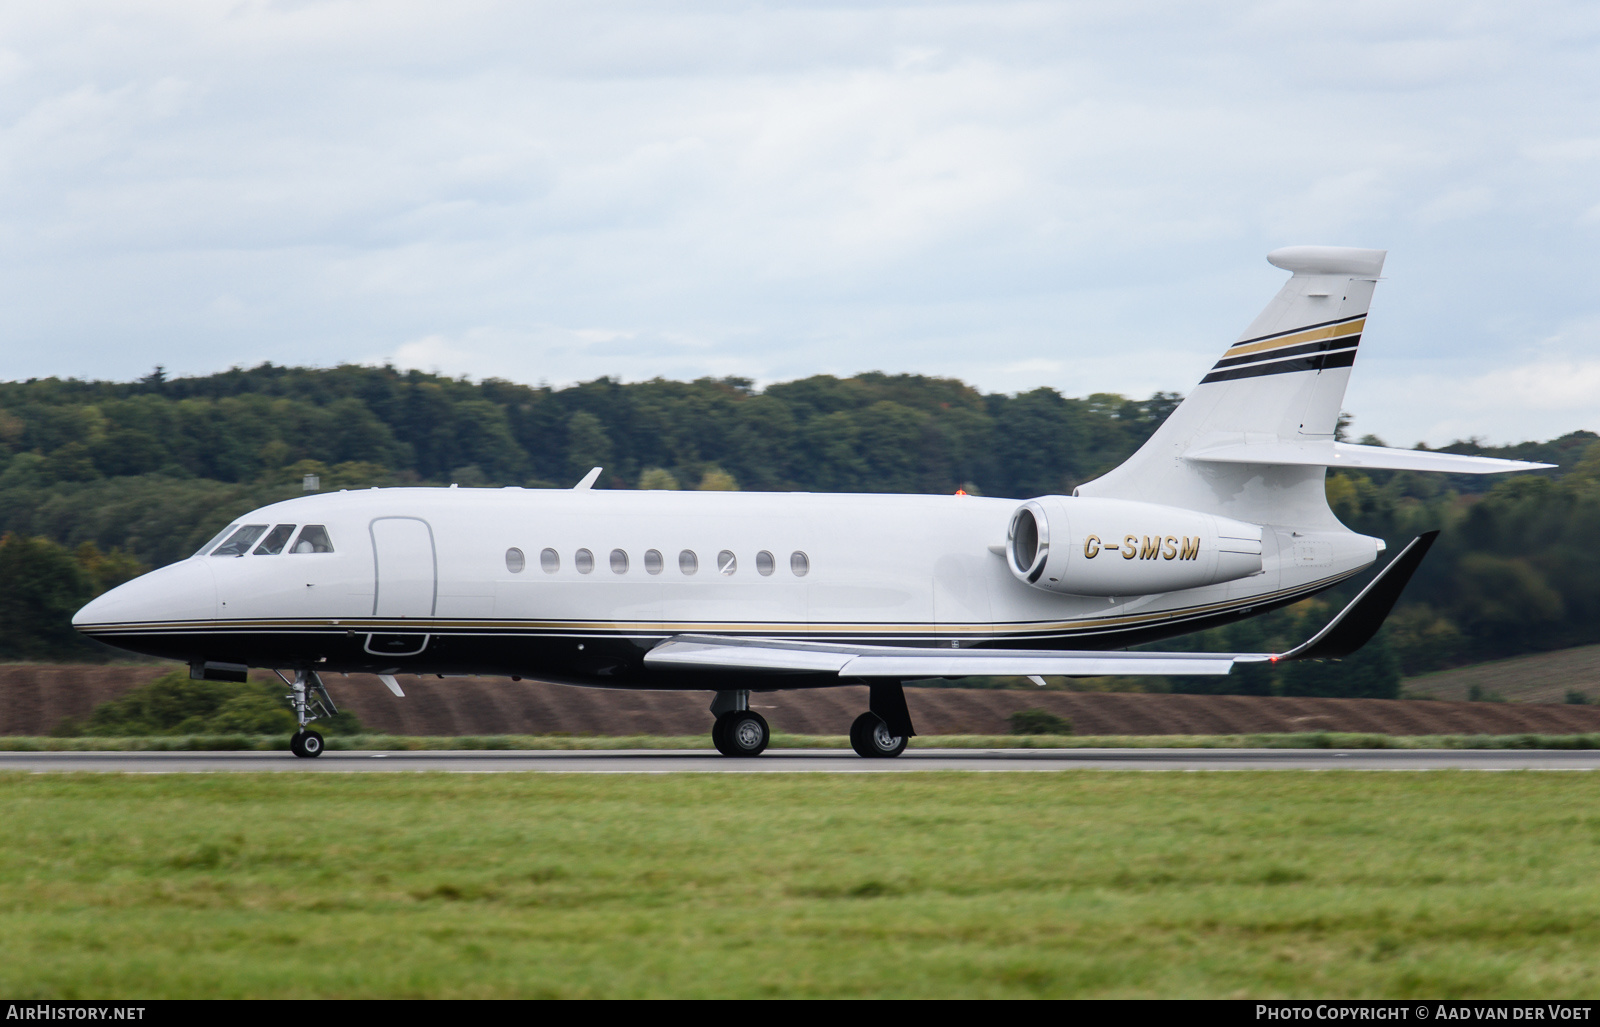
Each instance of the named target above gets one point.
<point>218,537</point>
<point>239,542</point>
<point>313,539</point>
<point>276,539</point>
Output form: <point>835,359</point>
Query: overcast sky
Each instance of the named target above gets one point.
<point>1077,195</point>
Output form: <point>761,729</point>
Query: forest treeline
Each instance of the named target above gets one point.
<point>108,478</point>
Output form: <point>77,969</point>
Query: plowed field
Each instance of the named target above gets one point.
<point>35,697</point>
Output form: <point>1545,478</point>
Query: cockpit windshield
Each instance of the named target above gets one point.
<point>218,537</point>
<point>276,539</point>
<point>239,542</point>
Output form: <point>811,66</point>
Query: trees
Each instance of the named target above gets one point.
<point>41,587</point>
<point>153,468</point>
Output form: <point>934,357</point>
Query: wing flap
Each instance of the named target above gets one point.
<point>944,663</point>
<point>711,653</point>
<point>707,652</point>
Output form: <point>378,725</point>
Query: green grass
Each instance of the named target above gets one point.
<point>1306,740</point>
<point>1336,884</point>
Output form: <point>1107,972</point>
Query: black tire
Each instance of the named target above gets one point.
<point>719,736</point>
<point>744,733</point>
<point>870,738</point>
<point>306,744</point>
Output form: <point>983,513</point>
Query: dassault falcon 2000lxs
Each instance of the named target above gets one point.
<point>1220,515</point>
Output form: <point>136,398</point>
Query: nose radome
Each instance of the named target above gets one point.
<point>182,591</point>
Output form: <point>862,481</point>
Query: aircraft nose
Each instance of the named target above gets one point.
<point>182,591</point>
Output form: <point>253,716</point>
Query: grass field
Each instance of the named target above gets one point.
<point>1538,677</point>
<point>921,885</point>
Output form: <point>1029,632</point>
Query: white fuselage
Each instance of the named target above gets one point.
<point>413,568</point>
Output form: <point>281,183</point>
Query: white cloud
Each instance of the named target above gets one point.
<point>1071,194</point>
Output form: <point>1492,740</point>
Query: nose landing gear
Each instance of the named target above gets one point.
<point>311,702</point>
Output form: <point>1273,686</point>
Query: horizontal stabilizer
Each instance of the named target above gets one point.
<point>711,652</point>
<point>1320,453</point>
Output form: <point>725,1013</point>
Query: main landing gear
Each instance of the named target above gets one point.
<point>871,738</point>
<point>311,702</point>
<point>739,730</point>
<point>880,733</point>
<point>883,731</point>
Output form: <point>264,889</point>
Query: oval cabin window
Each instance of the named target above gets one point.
<point>583,560</point>
<point>550,560</point>
<point>688,563</point>
<point>799,563</point>
<point>652,561</point>
<point>515,561</point>
<point>764,564</point>
<point>727,563</point>
<point>619,562</point>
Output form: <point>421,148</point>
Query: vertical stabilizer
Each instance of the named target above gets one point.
<point>1282,381</point>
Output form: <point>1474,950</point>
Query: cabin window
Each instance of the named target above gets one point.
<point>764,564</point>
<point>276,539</point>
<point>550,560</point>
<point>799,563</point>
<point>313,539</point>
<point>688,563</point>
<point>239,542</point>
<point>583,560</point>
<point>619,562</point>
<point>727,563</point>
<point>515,561</point>
<point>652,561</point>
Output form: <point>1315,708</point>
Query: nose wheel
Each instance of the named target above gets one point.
<point>310,701</point>
<point>306,744</point>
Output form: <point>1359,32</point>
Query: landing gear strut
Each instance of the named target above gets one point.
<point>311,701</point>
<point>739,730</point>
<point>883,731</point>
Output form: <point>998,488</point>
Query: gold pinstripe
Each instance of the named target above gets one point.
<point>1240,349</point>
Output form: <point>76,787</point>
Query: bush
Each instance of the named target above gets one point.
<point>175,704</point>
<point>1577,698</point>
<point>1039,722</point>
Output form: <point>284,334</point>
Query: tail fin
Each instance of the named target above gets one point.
<point>1283,381</point>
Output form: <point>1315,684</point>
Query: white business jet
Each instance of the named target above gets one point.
<point>1220,515</point>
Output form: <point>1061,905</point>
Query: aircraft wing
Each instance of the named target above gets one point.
<point>1350,630</point>
<point>777,656</point>
<point>1320,453</point>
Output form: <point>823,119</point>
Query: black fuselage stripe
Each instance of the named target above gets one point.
<point>1316,362</point>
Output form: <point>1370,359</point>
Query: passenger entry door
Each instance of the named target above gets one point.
<point>407,568</point>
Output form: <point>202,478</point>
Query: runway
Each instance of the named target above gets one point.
<point>833,761</point>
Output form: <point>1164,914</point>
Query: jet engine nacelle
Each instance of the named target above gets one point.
<point>1118,547</point>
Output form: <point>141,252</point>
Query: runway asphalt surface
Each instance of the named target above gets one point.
<point>666,761</point>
